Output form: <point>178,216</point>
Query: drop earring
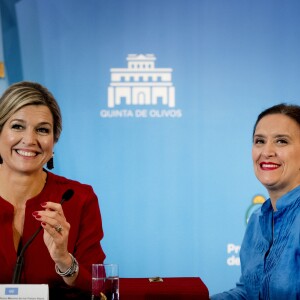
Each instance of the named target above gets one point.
<point>50,163</point>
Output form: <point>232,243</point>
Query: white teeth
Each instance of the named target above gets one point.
<point>25,153</point>
<point>269,166</point>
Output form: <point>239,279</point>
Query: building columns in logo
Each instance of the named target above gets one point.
<point>141,83</point>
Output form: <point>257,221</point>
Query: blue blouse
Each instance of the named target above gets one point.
<point>270,253</point>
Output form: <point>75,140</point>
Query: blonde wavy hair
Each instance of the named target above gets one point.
<point>26,93</point>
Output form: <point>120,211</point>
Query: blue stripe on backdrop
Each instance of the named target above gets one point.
<point>174,183</point>
<point>3,75</point>
<point>11,44</point>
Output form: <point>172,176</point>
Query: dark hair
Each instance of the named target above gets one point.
<point>26,93</point>
<point>289,110</point>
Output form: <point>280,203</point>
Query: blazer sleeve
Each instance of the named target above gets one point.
<point>87,248</point>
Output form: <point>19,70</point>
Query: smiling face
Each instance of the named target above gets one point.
<point>26,140</point>
<point>276,153</point>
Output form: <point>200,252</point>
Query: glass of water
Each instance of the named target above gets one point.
<point>105,282</point>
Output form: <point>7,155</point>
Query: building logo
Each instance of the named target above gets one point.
<point>233,250</point>
<point>141,90</point>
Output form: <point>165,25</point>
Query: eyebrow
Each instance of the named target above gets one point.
<point>276,136</point>
<point>22,121</point>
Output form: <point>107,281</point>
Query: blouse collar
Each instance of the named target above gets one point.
<point>284,201</point>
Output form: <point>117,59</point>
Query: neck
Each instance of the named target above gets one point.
<point>18,188</point>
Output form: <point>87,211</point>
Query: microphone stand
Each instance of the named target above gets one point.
<point>20,259</point>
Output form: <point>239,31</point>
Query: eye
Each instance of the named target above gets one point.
<point>43,130</point>
<point>259,140</point>
<point>17,126</point>
<point>281,141</point>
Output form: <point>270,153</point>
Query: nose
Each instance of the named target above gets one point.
<point>29,137</point>
<point>268,150</point>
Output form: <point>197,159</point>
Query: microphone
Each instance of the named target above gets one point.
<point>68,194</point>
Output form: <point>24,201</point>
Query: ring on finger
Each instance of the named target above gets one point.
<point>58,228</point>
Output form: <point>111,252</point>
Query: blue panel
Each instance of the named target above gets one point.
<point>174,182</point>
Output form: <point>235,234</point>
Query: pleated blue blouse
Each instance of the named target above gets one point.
<point>270,253</point>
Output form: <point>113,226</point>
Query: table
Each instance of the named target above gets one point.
<point>175,288</point>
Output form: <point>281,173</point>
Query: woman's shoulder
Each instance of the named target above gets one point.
<point>59,179</point>
<point>62,184</point>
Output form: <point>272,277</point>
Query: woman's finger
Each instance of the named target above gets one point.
<point>52,206</point>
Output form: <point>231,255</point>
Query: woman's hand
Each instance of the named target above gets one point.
<point>56,234</point>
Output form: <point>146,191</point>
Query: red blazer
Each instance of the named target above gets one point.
<point>81,211</point>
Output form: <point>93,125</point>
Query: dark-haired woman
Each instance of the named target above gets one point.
<point>270,252</point>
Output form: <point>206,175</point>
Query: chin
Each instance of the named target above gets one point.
<point>269,185</point>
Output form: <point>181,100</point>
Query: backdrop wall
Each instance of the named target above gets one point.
<point>159,99</point>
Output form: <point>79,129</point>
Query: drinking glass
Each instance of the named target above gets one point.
<point>105,282</point>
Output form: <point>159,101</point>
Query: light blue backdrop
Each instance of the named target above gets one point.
<point>173,191</point>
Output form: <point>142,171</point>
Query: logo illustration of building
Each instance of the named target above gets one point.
<point>141,83</point>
